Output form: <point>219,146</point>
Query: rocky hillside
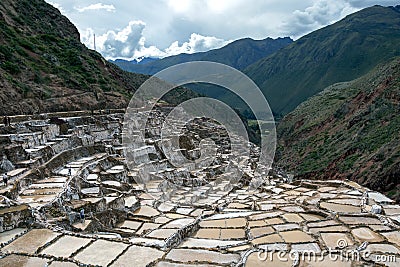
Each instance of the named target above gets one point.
<point>238,54</point>
<point>44,67</point>
<point>350,130</point>
<point>340,52</point>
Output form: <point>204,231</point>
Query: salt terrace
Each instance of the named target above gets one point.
<point>59,166</point>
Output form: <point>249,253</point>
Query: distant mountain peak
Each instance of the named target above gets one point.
<point>232,54</point>
<point>339,52</point>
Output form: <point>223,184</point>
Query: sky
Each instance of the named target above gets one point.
<point>132,29</point>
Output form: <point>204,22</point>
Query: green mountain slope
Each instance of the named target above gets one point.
<point>44,67</point>
<point>340,52</point>
<point>350,130</point>
<point>238,54</point>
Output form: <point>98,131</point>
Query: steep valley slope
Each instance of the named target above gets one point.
<point>348,131</point>
<point>45,68</point>
<point>339,52</point>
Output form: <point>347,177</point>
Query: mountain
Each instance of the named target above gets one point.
<point>238,54</point>
<point>340,52</point>
<point>45,68</point>
<point>350,130</point>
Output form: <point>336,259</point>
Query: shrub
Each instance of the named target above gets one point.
<point>10,67</point>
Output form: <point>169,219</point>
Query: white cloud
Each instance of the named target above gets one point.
<point>196,43</point>
<point>129,43</point>
<point>170,23</point>
<point>124,43</point>
<point>98,6</point>
<point>321,13</point>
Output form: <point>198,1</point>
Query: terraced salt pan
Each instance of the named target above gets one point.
<point>379,197</point>
<point>22,261</point>
<point>286,226</point>
<point>144,241</point>
<point>201,256</point>
<point>165,207</point>
<point>162,233</point>
<point>179,223</point>
<point>101,252</point>
<point>306,247</point>
<point>259,231</point>
<point>184,211</point>
<point>292,217</point>
<point>162,220</point>
<point>62,264</point>
<point>208,243</point>
<point>259,223</point>
<point>66,246</point>
<point>130,201</point>
<point>91,190</point>
<point>327,189</point>
<point>296,236</point>
<point>322,223</point>
<point>365,234</point>
<point>268,239</point>
<point>112,183</point>
<point>274,247</point>
<point>346,201</point>
<point>379,227</point>
<point>31,241</point>
<point>335,228</point>
<point>147,211</point>
<point>331,239</point>
<point>393,237</point>
<point>273,221</point>
<point>56,179</point>
<point>229,234</point>
<point>392,209</point>
<point>292,209</point>
<point>147,227</point>
<point>208,233</point>
<point>228,223</point>
<point>340,207</point>
<point>46,185</point>
<point>42,191</point>
<point>265,215</point>
<point>359,220</point>
<point>232,215</point>
<point>175,216</point>
<point>92,177</point>
<point>138,256</point>
<point>174,264</point>
<point>379,248</point>
<point>134,225</point>
<point>7,236</point>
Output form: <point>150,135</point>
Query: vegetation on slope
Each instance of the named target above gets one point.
<point>349,131</point>
<point>340,52</point>
<point>44,67</point>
